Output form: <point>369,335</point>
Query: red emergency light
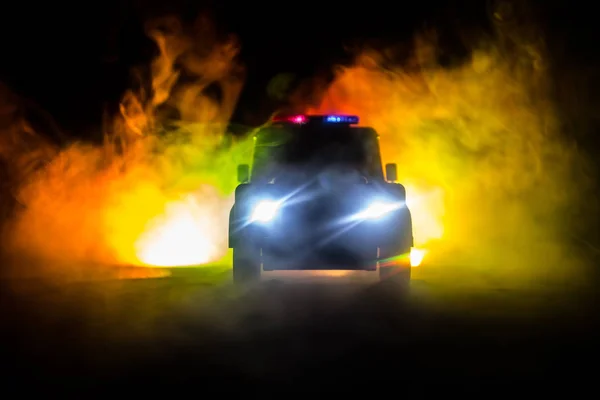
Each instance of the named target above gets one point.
<point>301,119</point>
<point>294,119</point>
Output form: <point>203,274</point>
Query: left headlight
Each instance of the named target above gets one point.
<point>265,210</point>
<point>378,209</point>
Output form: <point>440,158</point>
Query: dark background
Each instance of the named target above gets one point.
<point>75,59</point>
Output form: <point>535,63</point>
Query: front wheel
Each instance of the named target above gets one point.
<point>246,265</point>
<point>395,270</point>
<point>399,275</point>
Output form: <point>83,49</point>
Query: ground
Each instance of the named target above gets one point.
<point>192,332</point>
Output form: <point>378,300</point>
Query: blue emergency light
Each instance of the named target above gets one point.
<point>341,119</point>
<point>302,119</point>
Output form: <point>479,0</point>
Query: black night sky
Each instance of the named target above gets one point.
<point>75,59</point>
<point>521,312</point>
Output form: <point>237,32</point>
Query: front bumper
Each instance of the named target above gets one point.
<point>320,230</point>
<point>332,248</point>
<point>288,244</point>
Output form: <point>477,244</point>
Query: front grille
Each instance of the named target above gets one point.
<point>320,211</point>
<point>315,224</point>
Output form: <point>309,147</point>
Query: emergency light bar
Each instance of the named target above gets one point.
<point>302,119</point>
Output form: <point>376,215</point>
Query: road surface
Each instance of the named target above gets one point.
<point>190,331</point>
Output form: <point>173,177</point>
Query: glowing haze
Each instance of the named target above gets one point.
<point>478,148</point>
<point>477,145</point>
<point>158,191</point>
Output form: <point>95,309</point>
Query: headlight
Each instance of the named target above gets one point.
<point>378,209</point>
<point>265,211</point>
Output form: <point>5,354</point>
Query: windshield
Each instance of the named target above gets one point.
<point>314,149</point>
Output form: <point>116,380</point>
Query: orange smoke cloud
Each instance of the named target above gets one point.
<point>488,172</point>
<point>158,192</point>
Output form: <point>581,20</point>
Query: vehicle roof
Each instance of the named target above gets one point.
<point>310,129</point>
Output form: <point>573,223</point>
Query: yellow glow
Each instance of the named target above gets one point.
<point>416,256</point>
<point>478,148</point>
<point>183,236</point>
<point>427,208</point>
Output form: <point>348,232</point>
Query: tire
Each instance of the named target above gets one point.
<point>395,273</point>
<point>246,265</point>
<point>394,258</point>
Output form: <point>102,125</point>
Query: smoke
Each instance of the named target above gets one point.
<point>490,177</point>
<point>159,189</point>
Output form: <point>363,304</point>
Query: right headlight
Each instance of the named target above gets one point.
<point>378,209</point>
<point>265,210</point>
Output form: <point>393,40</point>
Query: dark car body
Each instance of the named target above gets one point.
<point>319,178</point>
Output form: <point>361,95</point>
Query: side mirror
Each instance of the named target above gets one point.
<point>391,172</point>
<point>243,173</point>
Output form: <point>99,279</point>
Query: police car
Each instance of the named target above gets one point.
<point>317,198</point>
